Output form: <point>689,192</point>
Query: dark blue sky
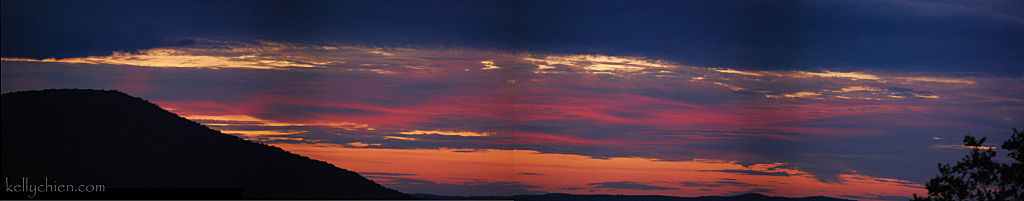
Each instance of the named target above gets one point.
<point>885,88</point>
<point>953,37</point>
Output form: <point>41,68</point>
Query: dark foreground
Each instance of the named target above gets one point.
<point>133,149</point>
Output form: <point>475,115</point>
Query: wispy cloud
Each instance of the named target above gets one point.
<point>438,132</point>
<point>243,56</point>
<point>385,174</point>
<point>754,172</point>
<point>629,185</point>
<point>716,184</point>
<point>937,79</point>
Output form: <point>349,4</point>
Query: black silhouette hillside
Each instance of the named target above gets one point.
<point>562,196</point>
<point>138,150</point>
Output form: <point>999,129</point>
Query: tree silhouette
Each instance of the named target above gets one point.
<point>980,175</point>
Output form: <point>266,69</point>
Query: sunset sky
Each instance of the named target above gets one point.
<point>849,99</point>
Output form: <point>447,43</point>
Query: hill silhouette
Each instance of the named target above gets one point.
<point>137,150</point>
<point>562,196</point>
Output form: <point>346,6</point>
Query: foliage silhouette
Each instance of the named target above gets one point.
<point>123,142</point>
<point>980,175</point>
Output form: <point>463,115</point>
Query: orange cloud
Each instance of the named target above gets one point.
<point>802,94</point>
<point>262,132</point>
<point>453,133</point>
<point>489,65</point>
<point>245,120</point>
<point>361,144</point>
<point>567,173</point>
<point>728,70</point>
<point>937,79</point>
<point>598,64</point>
<point>831,74</point>
<point>163,57</point>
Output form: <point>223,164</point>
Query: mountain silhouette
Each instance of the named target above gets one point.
<point>562,196</point>
<point>138,150</point>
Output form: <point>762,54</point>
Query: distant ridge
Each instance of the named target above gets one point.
<point>562,196</point>
<point>140,151</point>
